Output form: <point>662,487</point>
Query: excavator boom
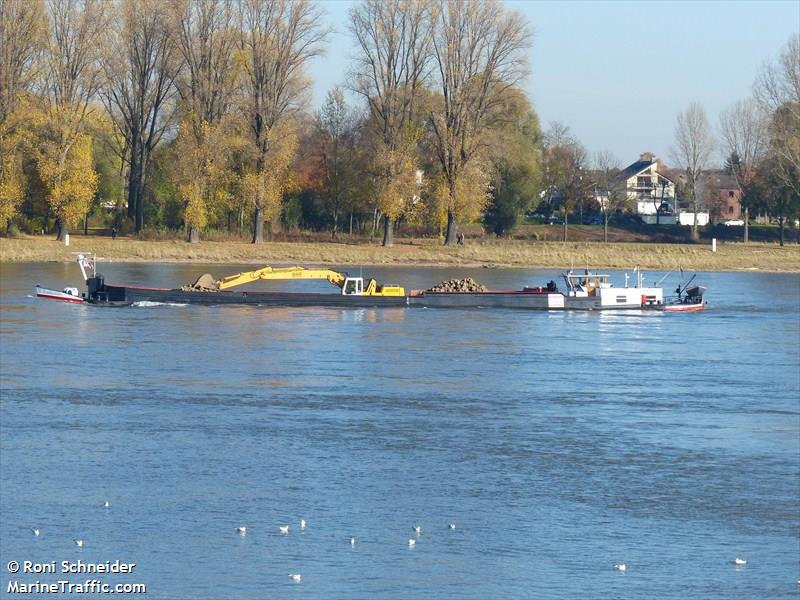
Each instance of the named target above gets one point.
<point>333,277</point>
<point>350,286</point>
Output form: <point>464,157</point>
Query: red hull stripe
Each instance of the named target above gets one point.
<point>49,297</point>
<point>688,308</point>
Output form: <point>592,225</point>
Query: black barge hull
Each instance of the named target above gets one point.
<point>118,295</point>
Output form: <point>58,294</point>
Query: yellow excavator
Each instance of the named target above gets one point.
<point>350,286</point>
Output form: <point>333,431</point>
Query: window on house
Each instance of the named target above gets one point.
<point>730,210</point>
<point>730,194</point>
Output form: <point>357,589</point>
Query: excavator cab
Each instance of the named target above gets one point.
<point>353,286</point>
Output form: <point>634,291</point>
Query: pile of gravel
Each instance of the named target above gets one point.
<point>204,283</point>
<point>468,284</point>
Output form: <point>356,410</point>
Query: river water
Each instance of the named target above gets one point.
<point>559,444</point>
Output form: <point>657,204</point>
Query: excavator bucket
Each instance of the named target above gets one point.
<point>205,282</point>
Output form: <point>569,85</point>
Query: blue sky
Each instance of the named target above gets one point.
<point>617,73</point>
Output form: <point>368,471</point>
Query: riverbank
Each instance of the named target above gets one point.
<point>423,252</point>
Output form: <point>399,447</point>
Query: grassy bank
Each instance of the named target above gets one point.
<point>509,253</point>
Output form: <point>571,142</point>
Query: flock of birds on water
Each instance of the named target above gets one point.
<point>412,542</point>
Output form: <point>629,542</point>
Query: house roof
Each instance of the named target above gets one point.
<point>724,181</point>
<point>639,166</point>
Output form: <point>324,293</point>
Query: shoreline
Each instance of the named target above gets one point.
<point>734,257</point>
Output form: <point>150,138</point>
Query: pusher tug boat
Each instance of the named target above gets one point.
<point>688,299</point>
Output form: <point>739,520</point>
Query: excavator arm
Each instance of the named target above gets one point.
<point>348,285</point>
<point>333,277</point>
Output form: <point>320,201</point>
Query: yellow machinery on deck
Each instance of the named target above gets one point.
<point>350,286</point>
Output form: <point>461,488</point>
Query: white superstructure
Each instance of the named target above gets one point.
<point>594,291</point>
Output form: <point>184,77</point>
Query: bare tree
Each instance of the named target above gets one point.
<point>743,133</point>
<point>139,88</point>
<point>478,50</point>
<point>393,39</point>
<point>564,161</point>
<point>22,28</point>
<point>778,81</point>
<point>694,145</point>
<point>72,60</point>
<point>276,41</point>
<point>207,45</point>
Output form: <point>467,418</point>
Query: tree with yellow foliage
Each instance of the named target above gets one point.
<point>276,41</point>
<point>12,178</point>
<point>72,77</point>
<point>12,185</point>
<point>69,178</point>
<point>200,170</point>
<point>205,83</point>
<point>263,183</point>
<point>393,40</point>
<point>22,28</point>
<point>396,182</point>
<point>467,196</point>
<point>478,50</point>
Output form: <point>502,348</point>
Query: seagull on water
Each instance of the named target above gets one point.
<point>295,577</point>
<point>35,531</point>
<point>302,524</point>
<point>78,543</point>
<point>621,567</point>
<point>417,529</point>
<point>739,562</point>
<point>241,530</point>
<point>284,529</point>
<point>412,542</point>
<point>451,525</point>
<point>106,504</point>
<point>352,541</point>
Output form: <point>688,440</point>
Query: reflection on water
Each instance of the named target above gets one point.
<point>560,443</point>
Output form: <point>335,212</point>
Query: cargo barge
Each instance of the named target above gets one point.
<point>583,291</point>
<point>98,292</point>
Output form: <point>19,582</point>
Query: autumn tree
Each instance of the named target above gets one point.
<point>71,78</point>
<point>564,164</point>
<point>478,54</point>
<point>206,83</point>
<point>743,135</point>
<point>199,170</point>
<point>393,49</point>
<point>140,70</point>
<point>22,30</point>
<point>276,41</point>
<point>694,143</point>
<point>611,189</point>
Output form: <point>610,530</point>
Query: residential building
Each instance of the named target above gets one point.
<point>724,195</point>
<point>648,185</point>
